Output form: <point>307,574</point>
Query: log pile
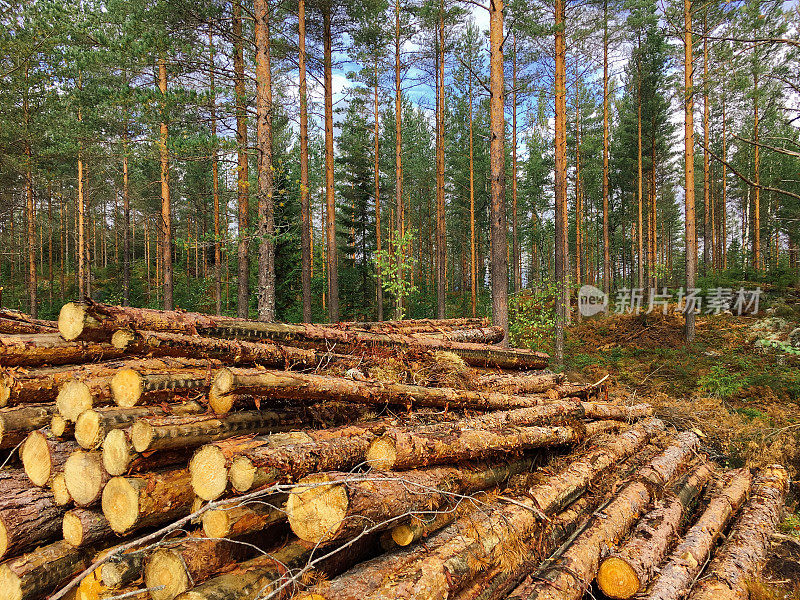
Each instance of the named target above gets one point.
<point>181,455</point>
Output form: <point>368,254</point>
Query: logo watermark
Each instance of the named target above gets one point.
<point>714,301</point>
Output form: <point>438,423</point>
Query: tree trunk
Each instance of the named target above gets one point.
<point>85,477</point>
<point>377,169</point>
<point>132,386</point>
<point>402,449</point>
<point>514,216</point>
<point>473,266</point>
<point>31,216</point>
<point>242,176</point>
<point>148,499</point>
<point>415,326</point>
<point>639,177</point>
<point>606,231</point>
<point>119,457</point>
<point>166,210</point>
<point>738,561</point>
<point>16,423</point>
<point>82,527</point>
<point>51,349</point>
<point>441,230</point>
<point>520,384</point>
<point>571,573</point>
<point>484,335</point>
<point>497,207</point>
<point>240,520</point>
<point>629,569</point>
<point>689,216</point>
<point>34,575</point>
<point>214,178</point>
<point>266,201</point>
<point>560,185</point>
<point>28,515</point>
<point>330,202</point>
<point>43,456</point>
<point>339,506</point>
<point>305,207</point>
<point>398,157</point>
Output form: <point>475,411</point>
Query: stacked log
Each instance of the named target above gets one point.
<point>186,455</point>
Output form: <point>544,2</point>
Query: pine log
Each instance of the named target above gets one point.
<point>243,519</point>
<point>75,396</point>
<point>83,526</point>
<point>689,558</point>
<point>131,386</point>
<point>474,335</point>
<point>122,569</point>
<point>570,575</point>
<point>92,426</point>
<point>43,455</point>
<point>522,383</point>
<point>181,564</point>
<point>85,477</point>
<point>147,499</point>
<point>413,325</point>
<point>558,491</point>
<point>402,449</point>
<point>743,554</point>
<point>17,422</point>
<point>273,575</point>
<point>58,486</point>
<point>12,321</point>
<point>630,567</point>
<point>422,525</point>
<point>61,428</point>
<point>333,505</point>
<point>304,386</point>
<point>119,457</point>
<point>36,350</point>
<point>34,575</point>
<point>28,515</point>
<point>172,432</point>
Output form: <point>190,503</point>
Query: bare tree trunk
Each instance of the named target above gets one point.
<point>330,203</point>
<point>378,280</point>
<point>80,251</point>
<point>473,266</point>
<point>29,208</point>
<point>640,232</point>
<point>215,181</point>
<point>561,265</point>
<point>166,212</point>
<point>441,233</point>
<point>606,233</point>
<point>243,181</point>
<point>724,207</point>
<point>126,223</point>
<point>578,191</point>
<point>266,203</point>
<point>706,170</point>
<point>398,186</point>
<point>517,269</point>
<point>691,231</point>
<point>305,208</point>
<point>497,212</point>
<point>756,179</point>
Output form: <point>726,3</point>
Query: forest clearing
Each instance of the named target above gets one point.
<point>182,455</point>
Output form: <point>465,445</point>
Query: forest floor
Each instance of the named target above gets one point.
<point>732,386</point>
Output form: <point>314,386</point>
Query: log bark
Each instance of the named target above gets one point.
<point>132,386</point>
<point>34,575</point>
<point>92,426</point>
<point>122,569</point>
<point>690,556</point>
<point>12,321</point>
<point>244,519</point>
<point>520,384</point>
<point>119,457</point>
<point>37,350</point>
<point>28,515</point>
<point>572,572</point>
<point>476,335</point>
<point>180,565</point>
<point>173,432</point>
<point>630,568</point>
<point>17,422</point>
<point>744,551</point>
<point>341,505</point>
<point>303,386</point>
<point>147,499</point>
<point>413,325</point>
<point>85,477</point>
<point>83,526</point>
<point>402,449</point>
<point>43,456</point>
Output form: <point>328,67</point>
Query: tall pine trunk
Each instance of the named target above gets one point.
<point>398,184</point>
<point>640,232</point>
<point>706,169</point>
<point>378,279</point>
<point>215,180</point>
<point>29,208</point>
<point>80,217</point>
<point>126,222</point>
<point>266,201</point>
<point>242,180</point>
<point>497,212</point>
<point>166,210</point>
<point>441,234</point>
<point>473,266</point>
<point>606,233</point>
<point>305,206</point>
<point>517,269</point>
<point>691,229</point>
<point>561,262</point>
<point>333,267</point>
<point>756,181</point>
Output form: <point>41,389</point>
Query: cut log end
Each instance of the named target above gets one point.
<point>5,392</point>
<point>117,453</point>
<point>403,535</point>
<point>122,338</point>
<point>242,474</point>
<point>10,583</point>
<point>165,568</point>
<point>73,398</point>
<point>209,473</point>
<point>84,476</point>
<point>126,387</point>
<point>224,381</point>
<point>71,321</point>
<point>58,425</point>
<point>4,541</point>
<point>222,404</point>
<point>120,504</point>
<point>617,579</point>
<point>216,523</point>
<point>142,436</point>
<point>58,486</point>
<point>36,461</point>
<point>382,454</point>
<point>87,429</point>
<point>72,529</point>
<point>316,511</point>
